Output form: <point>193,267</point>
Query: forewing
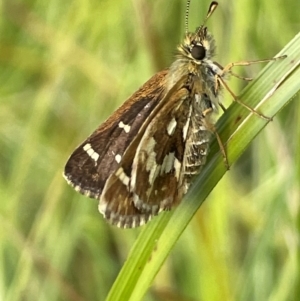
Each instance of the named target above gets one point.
<point>172,151</point>
<point>99,156</point>
<point>157,168</point>
<point>149,174</point>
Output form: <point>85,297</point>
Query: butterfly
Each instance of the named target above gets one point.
<point>142,159</point>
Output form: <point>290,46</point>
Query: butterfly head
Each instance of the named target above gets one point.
<point>198,46</point>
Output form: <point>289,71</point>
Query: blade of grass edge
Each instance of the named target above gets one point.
<point>158,237</point>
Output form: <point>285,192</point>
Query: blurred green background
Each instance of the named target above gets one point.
<point>65,66</point>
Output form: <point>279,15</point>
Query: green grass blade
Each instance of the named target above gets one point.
<point>269,93</point>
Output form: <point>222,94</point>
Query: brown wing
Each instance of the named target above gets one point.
<point>149,176</point>
<point>99,155</point>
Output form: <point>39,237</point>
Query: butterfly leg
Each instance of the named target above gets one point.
<point>229,66</point>
<point>213,129</point>
<point>227,69</point>
<point>236,99</point>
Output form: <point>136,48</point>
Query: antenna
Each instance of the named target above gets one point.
<point>187,11</point>
<point>211,9</point>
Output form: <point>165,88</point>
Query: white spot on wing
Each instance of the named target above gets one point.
<point>87,146</point>
<point>102,206</point>
<point>118,158</point>
<point>124,126</point>
<point>146,155</point>
<point>122,176</point>
<point>142,220</point>
<point>177,167</point>
<point>172,126</point>
<point>153,173</point>
<point>168,163</point>
<point>89,150</point>
<point>151,160</point>
<point>186,126</point>
<point>133,224</point>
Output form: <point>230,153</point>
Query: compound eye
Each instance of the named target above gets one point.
<point>198,52</point>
